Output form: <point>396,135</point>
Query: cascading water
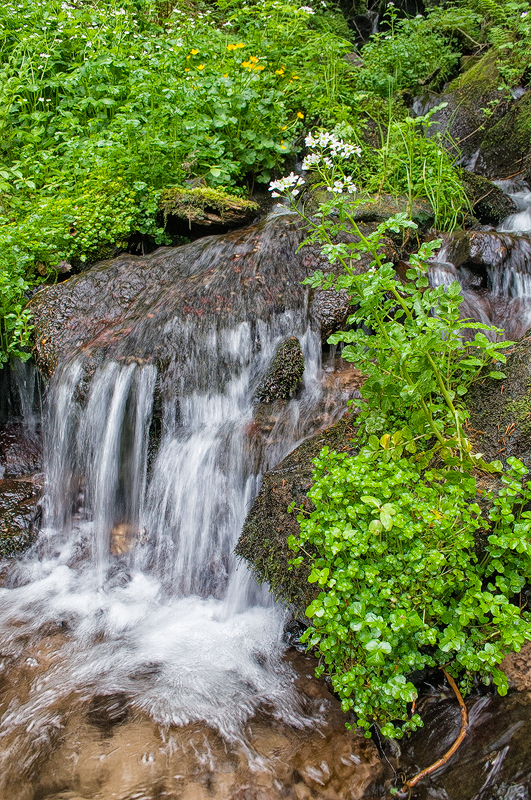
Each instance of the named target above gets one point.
<point>150,471</point>
<point>493,268</point>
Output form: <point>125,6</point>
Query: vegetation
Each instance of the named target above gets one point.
<point>413,573</point>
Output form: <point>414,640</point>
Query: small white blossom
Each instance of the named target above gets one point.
<point>307,9</point>
<point>288,184</point>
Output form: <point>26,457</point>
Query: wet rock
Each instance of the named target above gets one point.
<point>19,515</point>
<point>263,542</point>
<point>285,373</point>
<point>496,144</point>
<point>253,273</point>
<point>20,450</point>
<point>330,308</point>
<point>500,422</point>
<point>489,204</point>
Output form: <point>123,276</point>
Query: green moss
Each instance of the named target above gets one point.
<point>202,204</point>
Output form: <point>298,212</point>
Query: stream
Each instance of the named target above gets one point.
<point>139,658</point>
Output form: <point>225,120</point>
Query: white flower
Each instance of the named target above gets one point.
<point>286,185</point>
<point>307,9</point>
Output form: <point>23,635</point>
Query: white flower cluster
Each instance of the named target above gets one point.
<point>307,9</point>
<point>333,143</point>
<point>287,184</point>
<point>344,185</point>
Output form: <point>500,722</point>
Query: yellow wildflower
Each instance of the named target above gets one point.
<point>253,60</point>
<point>226,75</point>
<point>282,145</point>
<point>300,115</point>
<point>187,57</point>
<point>282,127</point>
<point>200,66</point>
<point>187,69</point>
<point>240,44</point>
<point>245,64</point>
<point>231,47</point>
<point>194,52</point>
<point>260,67</point>
<point>294,77</point>
<point>280,71</point>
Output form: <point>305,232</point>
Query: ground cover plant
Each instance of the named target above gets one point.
<point>413,572</point>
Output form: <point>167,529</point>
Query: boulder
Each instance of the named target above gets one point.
<point>19,515</point>
<point>263,541</point>
<point>489,204</point>
<point>285,373</point>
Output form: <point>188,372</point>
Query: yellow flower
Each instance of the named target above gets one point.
<point>240,44</point>
<point>200,66</point>
<point>300,116</point>
<point>187,57</point>
<point>187,69</point>
<point>294,77</point>
<point>282,127</point>
<point>280,71</point>
<point>231,47</point>
<point>194,52</point>
<point>253,59</point>
<point>245,64</point>
<point>282,145</point>
<point>260,67</point>
<point>226,75</point>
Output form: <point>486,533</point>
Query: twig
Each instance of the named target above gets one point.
<point>408,785</point>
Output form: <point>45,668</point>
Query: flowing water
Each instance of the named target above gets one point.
<point>132,601</point>
<point>493,268</point>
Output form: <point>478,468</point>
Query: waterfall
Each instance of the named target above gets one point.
<point>150,471</point>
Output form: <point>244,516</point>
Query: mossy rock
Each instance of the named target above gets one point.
<point>463,119</point>
<point>263,541</point>
<point>489,204</point>
<point>285,373</point>
<point>500,422</point>
<point>18,515</point>
<point>506,146</point>
<point>206,207</point>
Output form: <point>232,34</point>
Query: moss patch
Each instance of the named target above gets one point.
<point>205,206</point>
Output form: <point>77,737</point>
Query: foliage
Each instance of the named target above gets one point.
<point>402,586</point>
<point>406,163</point>
<point>104,104</point>
<point>391,539</point>
<point>406,54</point>
<point>507,26</point>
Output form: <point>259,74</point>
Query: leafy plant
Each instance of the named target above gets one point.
<point>392,538</point>
<point>393,548</point>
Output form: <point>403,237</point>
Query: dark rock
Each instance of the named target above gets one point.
<point>285,373</point>
<point>330,308</point>
<point>263,542</point>
<point>20,450</point>
<point>500,422</point>
<point>489,204</point>
<point>19,515</point>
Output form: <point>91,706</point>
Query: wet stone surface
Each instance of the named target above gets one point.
<point>19,514</point>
